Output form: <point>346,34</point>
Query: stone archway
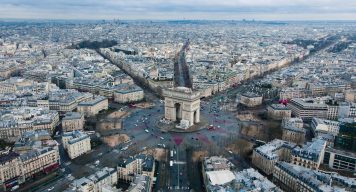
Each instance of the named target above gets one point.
<point>178,110</point>
<point>182,104</point>
<point>196,116</point>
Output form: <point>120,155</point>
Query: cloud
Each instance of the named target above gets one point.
<point>178,9</point>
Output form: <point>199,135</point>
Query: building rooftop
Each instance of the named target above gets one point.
<point>316,180</point>
<point>8,157</point>
<point>34,140</point>
<point>308,103</point>
<point>140,184</point>
<point>72,115</point>
<point>125,88</point>
<point>311,150</point>
<point>26,116</point>
<point>75,136</point>
<point>279,107</point>
<point>217,163</point>
<point>147,162</point>
<point>35,153</point>
<point>250,94</point>
<point>101,174</point>
<point>93,101</point>
<point>220,177</point>
<point>250,179</point>
<point>269,150</point>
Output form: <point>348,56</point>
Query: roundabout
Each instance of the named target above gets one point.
<point>172,126</point>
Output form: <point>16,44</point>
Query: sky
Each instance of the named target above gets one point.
<point>179,9</point>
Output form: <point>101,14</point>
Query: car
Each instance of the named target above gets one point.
<point>161,138</point>
<point>211,127</point>
<point>161,145</point>
<point>146,130</point>
<point>230,152</point>
<point>124,148</point>
<point>14,188</point>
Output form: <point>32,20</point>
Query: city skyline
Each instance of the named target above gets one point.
<point>174,9</point>
<point>177,96</point>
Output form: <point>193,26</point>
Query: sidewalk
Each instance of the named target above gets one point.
<point>35,184</point>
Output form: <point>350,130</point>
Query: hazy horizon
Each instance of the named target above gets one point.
<point>267,10</point>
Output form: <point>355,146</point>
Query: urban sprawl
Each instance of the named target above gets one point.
<point>212,106</point>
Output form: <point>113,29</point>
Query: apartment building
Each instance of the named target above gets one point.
<point>295,122</point>
<point>140,184</point>
<point>94,106</point>
<point>34,140</point>
<point>62,100</point>
<point>324,126</point>
<point>72,121</point>
<point>7,70</point>
<point>97,182</point>
<point>296,178</point>
<point>219,175</point>
<point>217,171</point>
<point>42,160</point>
<point>291,92</point>
<point>350,95</point>
<point>311,155</point>
<point>76,143</point>
<point>33,154</point>
<point>129,94</point>
<point>10,170</point>
<point>250,99</point>
<point>128,169</point>
<point>293,134</point>
<point>15,121</point>
<point>306,109</point>
<point>264,157</point>
<point>278,111</point>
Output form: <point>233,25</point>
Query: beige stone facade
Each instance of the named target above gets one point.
<point>94,106</point>
<point>310,155</point>
<point>141,164</point>
<point>266,156</point>
<point>250,99</point>
<point>101,181</point>
<point>182,104</point>
<point>10,168</point>
<point>7,71</point>
<point>73,121</point>
<point>294,135</point>
<point>76,143</point>
<point>278,111</point>
<point>293,131</point>
<point>36,161</point>
<point>28,120</point>
<point>350,95</point>
<point>128,96</point>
